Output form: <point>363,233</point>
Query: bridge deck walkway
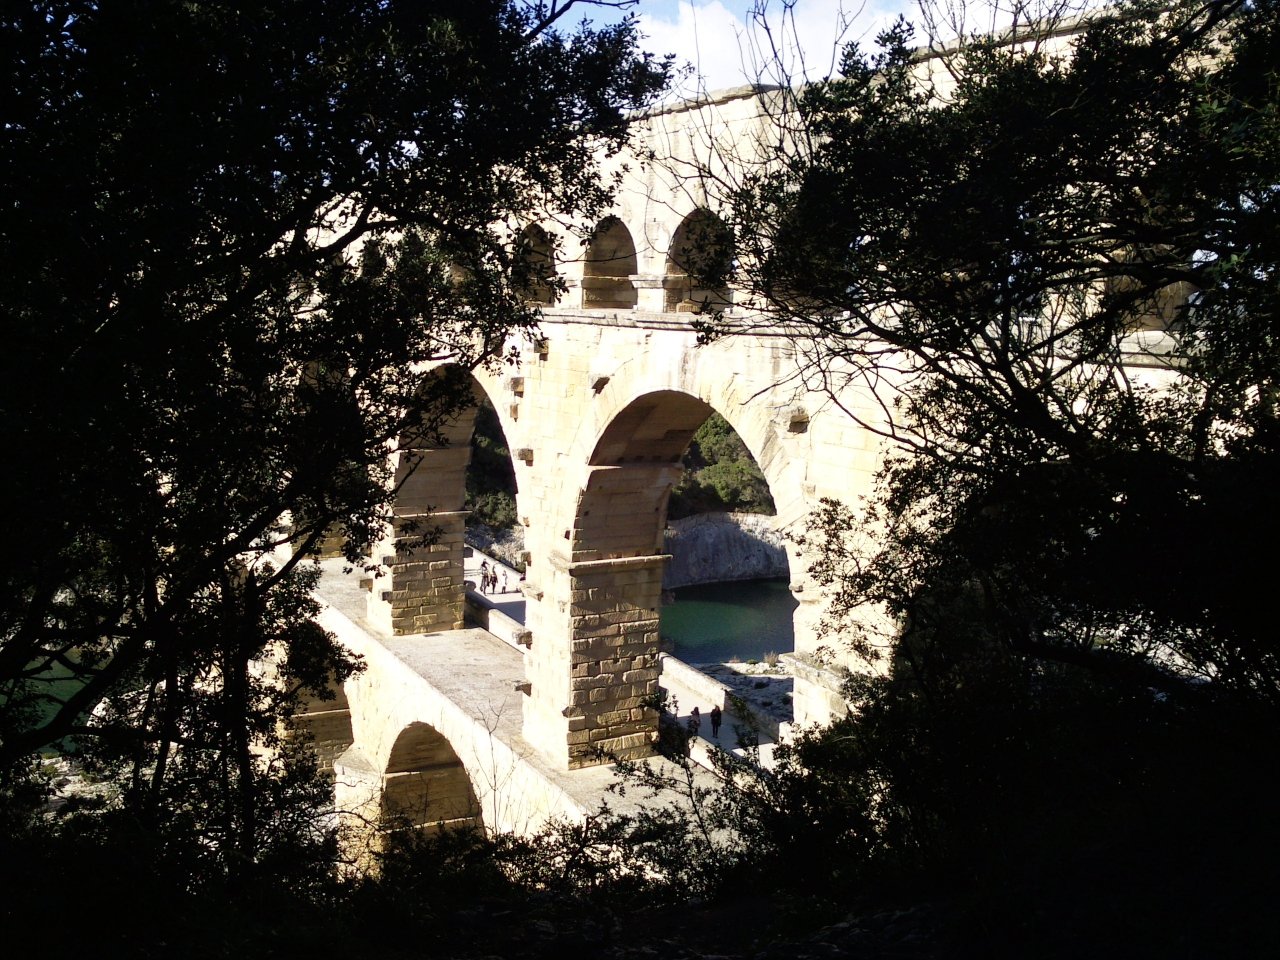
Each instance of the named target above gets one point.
<point>479,674</point>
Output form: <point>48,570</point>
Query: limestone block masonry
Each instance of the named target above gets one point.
<point>608,403</point>
<point>598,412</point>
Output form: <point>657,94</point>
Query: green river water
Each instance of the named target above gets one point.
<point>715,622</point>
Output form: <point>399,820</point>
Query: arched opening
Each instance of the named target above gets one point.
<point>491,479</point>
<point>425,554</point>
<point>616,565</point>
<point>495,550</point>
<point>610,264</point>
<point>666,450</point>
<point>425,786</point>
<point>535,268</point>
<point>324,719</point>
<point>726,588</point>
<point>637,462</point>
<point>326,394</point>
<point>698,265</point>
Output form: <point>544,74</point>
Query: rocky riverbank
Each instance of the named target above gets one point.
<point>714,547</point>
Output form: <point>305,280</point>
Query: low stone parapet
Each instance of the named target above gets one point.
<point>484,613</point>
<point>709,690</point>
<point>818,696</point>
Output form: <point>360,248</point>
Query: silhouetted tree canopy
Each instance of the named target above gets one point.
<point>1057,262</point>
<point>230,231</point>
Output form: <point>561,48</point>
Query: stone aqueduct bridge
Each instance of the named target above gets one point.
<point>458,726</point>
<point>450,724</point>
<point>598,413</point>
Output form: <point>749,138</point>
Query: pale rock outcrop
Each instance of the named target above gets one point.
<point>713,547</point>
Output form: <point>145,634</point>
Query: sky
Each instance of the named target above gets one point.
<point>730,42</point>
<point>728,46</point>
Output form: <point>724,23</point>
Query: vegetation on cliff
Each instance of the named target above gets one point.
<point>491,477</point>
<point>720,475</point>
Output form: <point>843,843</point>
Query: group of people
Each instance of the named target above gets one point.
<point>695,721</point>
<point>489,578</point>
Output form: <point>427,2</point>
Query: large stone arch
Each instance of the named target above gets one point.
<point>802,443</point>
<point>425,785</point>
<point>600,576</point>
<point>636,461</point>
<point>421,588</point>
<point>769,413</point>
<point>402,772</point>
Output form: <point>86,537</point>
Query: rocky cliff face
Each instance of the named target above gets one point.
<point>504,545</point>
<point>712,547</point>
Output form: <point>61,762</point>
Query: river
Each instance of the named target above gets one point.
<point>744,619</point>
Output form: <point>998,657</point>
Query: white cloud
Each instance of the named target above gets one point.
<point>779,42</point>
<point>706,35</point>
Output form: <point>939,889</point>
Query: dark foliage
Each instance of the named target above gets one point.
<point>1066,268</point>
<point>719,475</point>
<point>232,233</point>
<point>1061,274</point>
<point>491,477</point>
